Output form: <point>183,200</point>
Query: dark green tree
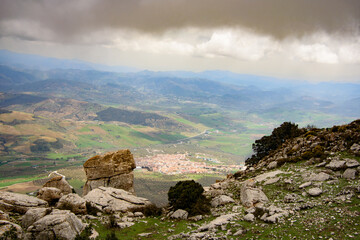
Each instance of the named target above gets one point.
<point>187,195</point>
<point>263,146</point>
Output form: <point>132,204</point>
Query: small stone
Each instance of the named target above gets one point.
<point>304,185</point>
<point>125,224</point>
<point>144,234</point>
<point>322,164</point>
<point>315,191</point>
<point>249,217</point>
<point>221,200</point>
<point>271,181</point>
<point>272,165</point>
<point>351,163</point>
<point>179,214</point>
<point>350,173</point>
<point>138,214</point>
<point>336,164</point>
<point>239,232</point>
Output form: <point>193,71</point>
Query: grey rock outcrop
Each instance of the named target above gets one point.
<point>113,169</point>
<point>20,203</point>
<point>250,195</point>
<point>109,200</point>
<point>72,202</point>
<point>59,224</point>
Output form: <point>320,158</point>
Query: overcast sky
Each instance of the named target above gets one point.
<point>317,40</point>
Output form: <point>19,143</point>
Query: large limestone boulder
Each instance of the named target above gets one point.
<point>20,203</point>
<point>59,182</point>
<point>50,194</point>
<point>59,224</point>
<point>72,202</point>
<point>250,195</point>
<point>6,226</point>
<point>113,169</point>
<point>110,200</point>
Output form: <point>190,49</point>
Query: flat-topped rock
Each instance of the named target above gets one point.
<point>20,203</point>
<point>109,165</point>
<point>114,169</point>
<point>110,200</point>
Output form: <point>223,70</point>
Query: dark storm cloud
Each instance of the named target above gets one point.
<point>278,18</point>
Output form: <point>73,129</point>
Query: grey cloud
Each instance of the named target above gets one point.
<point>278,18</point>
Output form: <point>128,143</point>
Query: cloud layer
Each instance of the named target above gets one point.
<point>309,31</point>
<point>277,18</point>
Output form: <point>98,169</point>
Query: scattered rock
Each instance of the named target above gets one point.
<point>304,185</point>
<point>351,163</point>
<point>221,200</point>
<point>272,165</point>
<point>138,214</point>
<point>271,181</point>
<point>6,226</point>
<point>111,200</point>
<point>144,234</point>
<point>355,148</point>
<point>239,232</point>
<point>113,169</point>
<point>72,202</point>
<point>20,203</point>
<point>322,164</point>
<point>266,175</point>
<point>249,217</point>
<point>336,164</point>
<point>125,224</point>
<point>320,177</point>
<point>179,214</point>
<point>221,220</point>
<point>59,224</point>
<point>291,198</point>
<point>315,191</point>
<point>50,194</point>
<point>250,195</point>
<point>196,218</point>
<point>59,182</point>
<point>350,173</point>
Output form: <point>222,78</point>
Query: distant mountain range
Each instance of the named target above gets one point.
<point>121,85</point>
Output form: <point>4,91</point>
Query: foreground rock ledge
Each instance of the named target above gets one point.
<point>114,169</point>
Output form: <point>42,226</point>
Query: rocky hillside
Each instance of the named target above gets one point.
<point>308,188</point>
